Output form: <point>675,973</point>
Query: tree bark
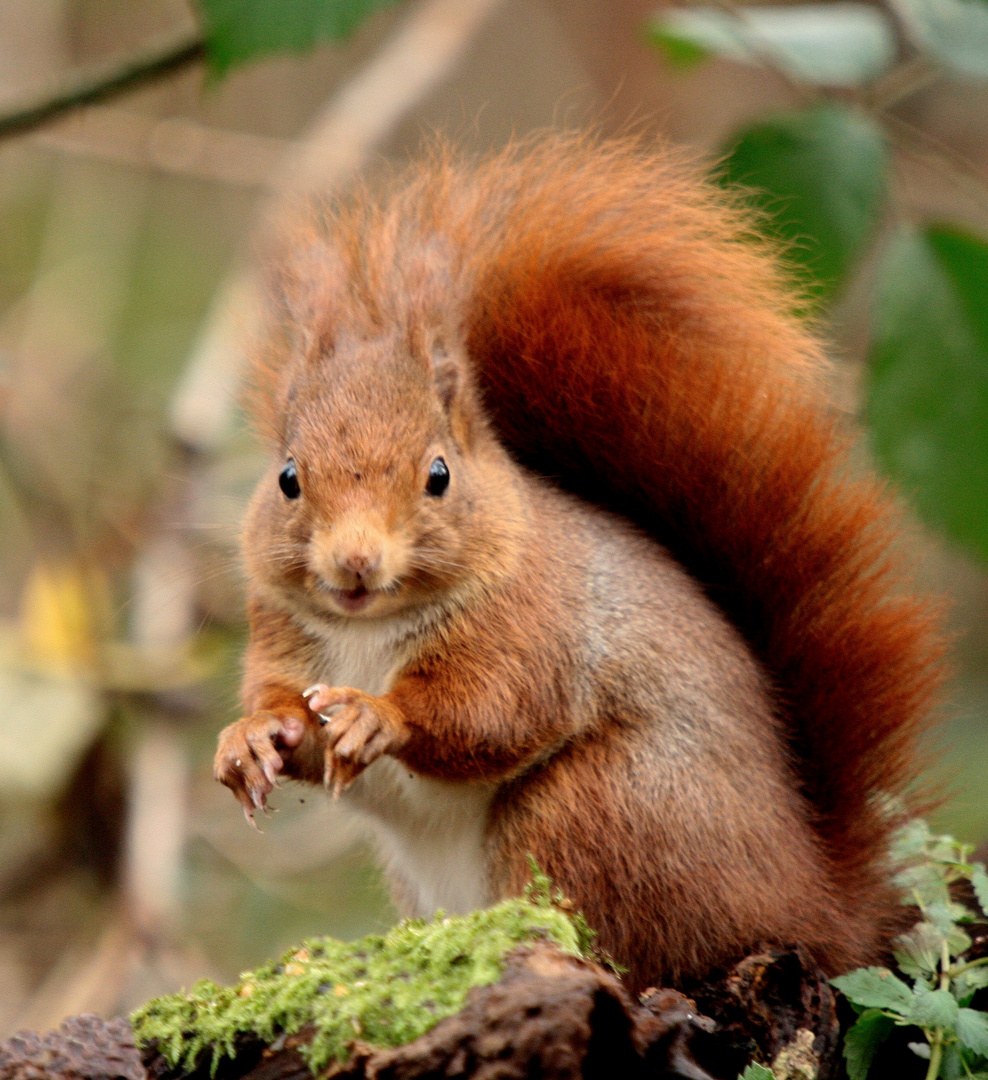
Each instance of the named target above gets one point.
<point>551,1015</point>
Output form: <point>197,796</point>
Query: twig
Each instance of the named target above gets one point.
<point>902,81</point>
<point>171,52</point>
<point>929,149</point>
<point>175,145</point>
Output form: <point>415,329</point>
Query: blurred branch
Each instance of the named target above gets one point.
<point>169,53</point>
<point>174,145</point>
<point>902,81</point>
<point>927,148</point>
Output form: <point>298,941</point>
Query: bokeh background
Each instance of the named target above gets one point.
<point>127,232</point>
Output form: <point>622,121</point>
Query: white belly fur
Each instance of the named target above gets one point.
<point>430,833</point>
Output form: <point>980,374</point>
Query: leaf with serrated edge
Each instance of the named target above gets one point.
<point>918,951</point>
<point>757,1072</point>
<point>933,1008</point>
<point>940,916</point>
<point>961,912</point>
<point>910,840</point>
<point>951,1064</point>
<point>972,1030</point>
<point>863,1039</point>
<point>875,988</point>
<point>958,942</point>
<point>924,881</point>
<point>979,882</point>
<point>971,980</point>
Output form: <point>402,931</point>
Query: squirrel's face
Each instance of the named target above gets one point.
<point>366,508</point>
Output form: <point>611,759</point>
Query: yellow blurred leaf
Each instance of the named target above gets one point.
<point>64,615</point>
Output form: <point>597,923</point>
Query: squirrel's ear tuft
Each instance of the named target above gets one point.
<point>433,345</point>
<point>446,372</point>
<point>306,287</point>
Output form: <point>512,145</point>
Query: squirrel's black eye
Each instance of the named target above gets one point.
<point>438,477</point>
<point>288,481</point>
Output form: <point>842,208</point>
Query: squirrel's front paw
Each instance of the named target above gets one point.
<point>247,759</point>
<point>358,729</point>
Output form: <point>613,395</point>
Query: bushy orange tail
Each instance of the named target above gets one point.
<point>637,343</point>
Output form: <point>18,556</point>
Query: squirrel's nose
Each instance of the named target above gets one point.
<point>358,561</point>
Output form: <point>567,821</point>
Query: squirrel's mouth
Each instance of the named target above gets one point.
<point>358,598</point>
<point>353,599</point>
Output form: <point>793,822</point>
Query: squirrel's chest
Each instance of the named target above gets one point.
<point>430,833</point>
<point>367,657</point>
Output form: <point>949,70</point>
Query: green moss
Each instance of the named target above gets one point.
<point>384,989</point>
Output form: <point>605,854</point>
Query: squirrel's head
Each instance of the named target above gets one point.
<point>373,500</point>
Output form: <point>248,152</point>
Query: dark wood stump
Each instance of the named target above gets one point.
<point>551,1015</point>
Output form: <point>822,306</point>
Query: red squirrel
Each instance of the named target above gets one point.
<point>563,551</point>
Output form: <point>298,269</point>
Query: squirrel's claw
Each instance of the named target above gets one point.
<point>357,729</point>
<point>251,756</point>
<point>315,695</point>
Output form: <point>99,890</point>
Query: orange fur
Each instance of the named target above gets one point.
<point>631,340</point>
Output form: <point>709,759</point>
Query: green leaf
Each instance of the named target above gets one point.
<point>910,840</point>
<point>820,176</point>
<point>951,1064</point>
<point>838,44</point>
<point>875,988</point>
<point>925,881</point>
<point>242,30</point>
<point>918,952</point>
<point>862,1040</point>
<point>953,32</point>
<point>933,1008</point>
<point>928,394</point>
<point>945,850</point>
<point>962,913</point>
<point>681,42</point>
<point>941,917</point>
<point>958,942</point>
<point>972,1030</point>
<point>969,981</point>
<point>757,1072</point>
<point>979,882</point>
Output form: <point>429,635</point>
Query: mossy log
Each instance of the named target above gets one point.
<point>551,1014</point>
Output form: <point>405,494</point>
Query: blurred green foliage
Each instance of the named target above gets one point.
<point>242,30</point>
<point>928,377</point>
<point>837,44</point>
<point>820,176</point>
